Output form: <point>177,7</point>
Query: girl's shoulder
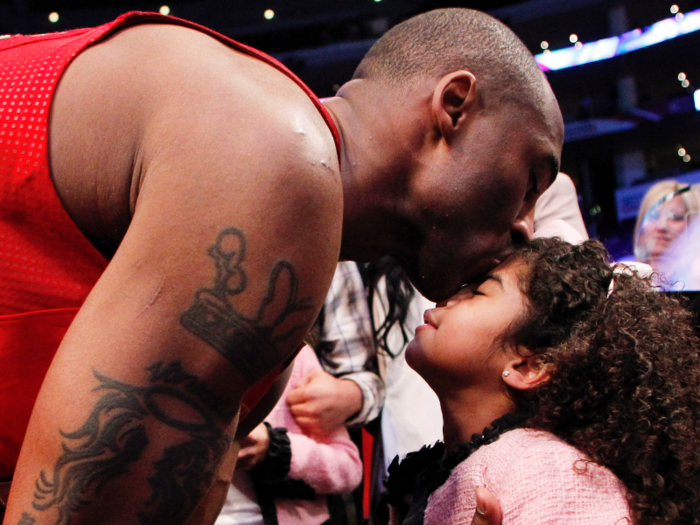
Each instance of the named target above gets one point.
<point>527,454</point>
<point>534,475</point>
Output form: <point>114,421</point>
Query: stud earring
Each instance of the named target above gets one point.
<point>506,373</point>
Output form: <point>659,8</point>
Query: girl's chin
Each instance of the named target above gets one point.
<point>415,355</point>
<point>412,349</point>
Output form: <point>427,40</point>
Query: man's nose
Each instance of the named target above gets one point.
<point>522,229</point>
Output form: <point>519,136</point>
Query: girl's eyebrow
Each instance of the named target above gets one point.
<point>492,277</point>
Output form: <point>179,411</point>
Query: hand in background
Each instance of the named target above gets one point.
<point>321,403</point>
<point>254,448</point>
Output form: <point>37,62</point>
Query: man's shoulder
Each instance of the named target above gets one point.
<point>186,73</point>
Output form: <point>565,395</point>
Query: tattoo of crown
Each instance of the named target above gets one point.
<point>249,343</point>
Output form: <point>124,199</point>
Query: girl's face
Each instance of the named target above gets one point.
<point>462,341</point>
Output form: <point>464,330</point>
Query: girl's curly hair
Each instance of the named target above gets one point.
<point>625,379</point>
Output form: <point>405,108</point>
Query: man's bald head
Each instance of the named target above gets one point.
<point>439,42</point>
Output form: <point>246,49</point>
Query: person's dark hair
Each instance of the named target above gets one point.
<point>445,40</point>
<point>625,375</point>
<point>399,293</point>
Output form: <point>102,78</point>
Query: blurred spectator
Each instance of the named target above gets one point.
<point>663,218</point>
<point>350,392</point>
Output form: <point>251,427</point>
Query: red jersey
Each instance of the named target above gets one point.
<point>47,266</point>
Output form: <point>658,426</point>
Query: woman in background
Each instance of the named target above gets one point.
<point>663,216</point>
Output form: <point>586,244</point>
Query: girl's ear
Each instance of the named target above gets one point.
<point>525,372</point>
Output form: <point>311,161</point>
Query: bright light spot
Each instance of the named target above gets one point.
<point>578,45</point>
<point>377,1</point>
<point>686,158</point>
<point>164,10</point>
<point>685,83</point>
<point>573,38</point>
<point>682,76</point>
<point>269,14</point>
<point>681,152</point>
<point>679,17</point>
<point>674,9</point>
<point>696,97</point>
<point>53,17</point>
<point>544,44</point>
<point>547,51</point>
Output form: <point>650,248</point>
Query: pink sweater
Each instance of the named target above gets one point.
<point>538,480</point>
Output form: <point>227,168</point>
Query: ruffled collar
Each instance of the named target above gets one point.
<point>429,468</point>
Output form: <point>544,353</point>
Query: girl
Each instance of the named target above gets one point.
<point>569,392</point>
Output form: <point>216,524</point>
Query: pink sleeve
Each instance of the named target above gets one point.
<point>330,467</point>
<point>329,464</point>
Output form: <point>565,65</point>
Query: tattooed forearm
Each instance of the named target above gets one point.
<point>249,343</point>
<point>115,436</point>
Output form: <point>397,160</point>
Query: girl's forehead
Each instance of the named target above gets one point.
<point>512,267</point>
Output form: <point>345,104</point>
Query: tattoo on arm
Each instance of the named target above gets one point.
<point>115,436</point>
<point>26,519</point>
<point>249,343</point>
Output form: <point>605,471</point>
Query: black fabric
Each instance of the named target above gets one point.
<point>413,480</point>
<point>275,467</point>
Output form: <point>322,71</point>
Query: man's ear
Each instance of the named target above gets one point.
<point>453,98</point>
<point>524,373</point>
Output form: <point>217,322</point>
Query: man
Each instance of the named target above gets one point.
<point>212,184</point>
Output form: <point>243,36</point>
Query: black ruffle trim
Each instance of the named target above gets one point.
<point>271,476</point>
<point>275,467</point>
<point>430,468</point>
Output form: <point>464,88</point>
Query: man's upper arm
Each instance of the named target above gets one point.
<point>232,245</point>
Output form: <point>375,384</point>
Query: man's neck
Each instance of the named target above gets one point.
<point>376,165</point>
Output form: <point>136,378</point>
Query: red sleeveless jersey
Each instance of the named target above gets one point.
<point>47,266</point>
